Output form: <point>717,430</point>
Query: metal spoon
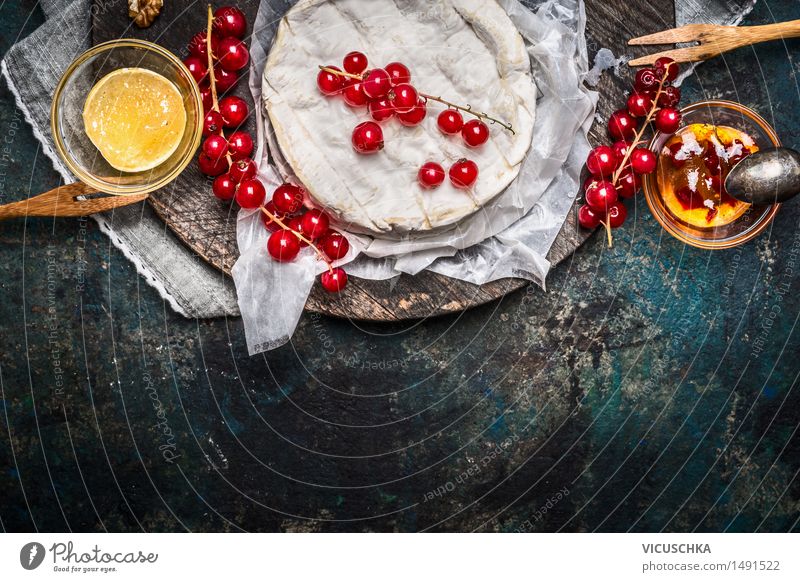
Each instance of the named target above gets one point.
<point>768,176</point>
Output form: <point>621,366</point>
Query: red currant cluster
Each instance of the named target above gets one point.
<point>216,56</point>
<point>228,159</point>
<point>385,93</point>
<point>388,93</point>
<point>293,227</point>
<point>615,170</point>
<point>224,53</point>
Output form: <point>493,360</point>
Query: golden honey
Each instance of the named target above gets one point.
<point>135,117</point>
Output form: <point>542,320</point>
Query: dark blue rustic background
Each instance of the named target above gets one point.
<point>654,386</point>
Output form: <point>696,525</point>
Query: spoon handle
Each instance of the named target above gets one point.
<point>765,32</point>
<point>63,201</point>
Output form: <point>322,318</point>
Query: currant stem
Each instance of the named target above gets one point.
<point>465,109</point>
<point>299,235</point>
<point>212,79</point>
<point>607,226</point>
<point>340,73</point>
<point>468,109</point>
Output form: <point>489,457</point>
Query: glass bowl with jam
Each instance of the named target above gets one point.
<point>686,193</point>
<point>127,117</point>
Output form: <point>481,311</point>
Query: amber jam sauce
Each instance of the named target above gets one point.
<point>692,168</point>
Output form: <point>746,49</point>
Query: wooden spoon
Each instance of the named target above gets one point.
<point>65,201</point>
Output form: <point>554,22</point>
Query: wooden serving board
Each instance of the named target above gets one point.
<point>208,227</point>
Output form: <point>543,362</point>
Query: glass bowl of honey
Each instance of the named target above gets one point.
<point>686,193</point>
<point>127,117</point>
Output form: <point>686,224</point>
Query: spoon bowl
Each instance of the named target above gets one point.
<point>769,176</point>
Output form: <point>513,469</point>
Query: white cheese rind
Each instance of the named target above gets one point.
<point>466,51</point>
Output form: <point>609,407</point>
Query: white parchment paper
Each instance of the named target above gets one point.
<point>510,237</point>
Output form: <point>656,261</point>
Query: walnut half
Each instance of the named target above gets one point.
<point>144,12</point>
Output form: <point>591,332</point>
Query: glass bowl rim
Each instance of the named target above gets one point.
<point>651,190</point>
<point>89,178</point>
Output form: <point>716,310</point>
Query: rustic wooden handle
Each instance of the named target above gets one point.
<point>765,32</point>
<point>62,201</point>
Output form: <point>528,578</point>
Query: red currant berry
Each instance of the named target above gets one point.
<point>643,161</point>
<point>669,97</point>
<point>197,68</point>
<point>735,159</point>
<point>199,48</point>
<point>250,193</point>
<point>288,198</point>
<point>622,125</point>
<point>234,110</point>
<point>208,99</point>
<point>212,123</point>
<point>355,62</point>
<point>404,97</point>
<point>334,280</point>
<point>475,133</point>
<point>600,196</point>
<point>627,185</point>
<point>673,152</point>
<point>620,150</point>
<point>415,116</point>
<point>668,120</point>
<point>283,246</point>
<point>225,79</point>
<point>240,145</point>
<point>315,223</point>
<point>398,73</point>
<point>233,54</point>
<point>646,80</point>
<point>639,104</point>
<point>376,84</point>
<point>616,215</point>
<point>589,182</point>
<point>463,173</point>
<point>367,138</point>
<point>450,121</point>
<point>588,218</point>
<point>224,187</point>
<point>296,224</point>
<point>381,109</point>
<point>330,83</point>
<point>335,246</point>
<point>230,21</point>
<point>353,94</point>
<point>244,169</point>
<point>711,160</point>
<point>211,167</point>
<point>430,175</point>
<point>601,161</point>
<point>215,147</point>
<point>270,224</point>
<point>666,65</point>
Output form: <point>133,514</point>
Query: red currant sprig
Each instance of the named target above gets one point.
<point>616,170</point>
<point>228,158</point>
<point>309,229</point>
<point>377,84</point>
<point>224,57</point>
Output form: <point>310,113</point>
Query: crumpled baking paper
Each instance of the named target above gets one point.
<point>509,237</point>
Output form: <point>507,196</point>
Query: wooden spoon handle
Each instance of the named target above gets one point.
<point>765,32</point>
<point>62,201</point>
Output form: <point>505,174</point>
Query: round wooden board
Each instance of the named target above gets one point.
<point>209,227</point>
